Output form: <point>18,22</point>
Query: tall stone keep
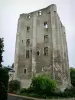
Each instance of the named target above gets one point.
<point>41,47</point>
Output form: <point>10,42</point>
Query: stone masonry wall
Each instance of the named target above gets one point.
<point>35,26</point>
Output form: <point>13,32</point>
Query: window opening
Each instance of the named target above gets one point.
<point>28,28</point>
<point>25,71</point>
<point>27,54</point>
<point>22,41</point>
<point>28,42</point>
<point>38,53</point>
<point>46,38</point>
<point>39,12</point>
<point>45,25</point>
<point>46,51</point>
<point>29,16</point>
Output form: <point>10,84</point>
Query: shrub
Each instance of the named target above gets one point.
<point>23,90</point>
<point>68,93</point>
<point>14,86</point>
<point>43,85</point>
<point>4,77</point>
<point>72,75</point>
<point>3,92</point>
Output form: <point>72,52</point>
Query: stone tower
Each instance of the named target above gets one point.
<point>41,47</point>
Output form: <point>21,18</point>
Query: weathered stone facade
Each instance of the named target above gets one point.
<point>41,47</point>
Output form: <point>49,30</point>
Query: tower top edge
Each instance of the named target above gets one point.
<point>50,6</point>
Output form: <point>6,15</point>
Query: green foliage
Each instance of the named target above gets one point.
<point>1,50</point>
<point>3,92</point>
<point>72,75</point>
<point>4,77</point>
<point>14,86</point>
<point>68,93</point>
<point>23,90</point>
<point>43,85</point>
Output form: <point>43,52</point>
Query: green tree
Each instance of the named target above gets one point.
<point>4,77</point>
<point>43,85</point>
<point>72,75</point>
<point>1,50</point>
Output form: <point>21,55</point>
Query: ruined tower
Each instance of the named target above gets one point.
<point>41,47</point>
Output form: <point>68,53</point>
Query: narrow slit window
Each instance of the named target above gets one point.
<point>28,42</point>
<point>38,53</point>
<point>27,54</point>
<point>24,71</point>
<point>22,41</point>
<point>46,38</point>
<point>48,12</point>
<point>46,51</point>
<point>28,28</point>
<point>45,25</point>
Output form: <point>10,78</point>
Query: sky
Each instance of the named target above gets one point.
<point>9,14</point>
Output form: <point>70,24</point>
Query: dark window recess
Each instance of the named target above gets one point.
<point>25,71</point>
<point>28,42</point>
<point>28,28</point>
<point>22,41</point>
<point>45,24</point>
<point>54,11</point>
<point>48,12</point>
<point>46,51</point>
<point>28,16</point>
<point>39,13</point>
<point>46,38</point>
<point>38,53</point>
<point>27,54</point>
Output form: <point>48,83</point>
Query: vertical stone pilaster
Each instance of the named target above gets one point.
<point>53,40</point>
<point>58,59</point>
<point>67,71</point>
<point>16,56</point>
<point>34,47</point>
